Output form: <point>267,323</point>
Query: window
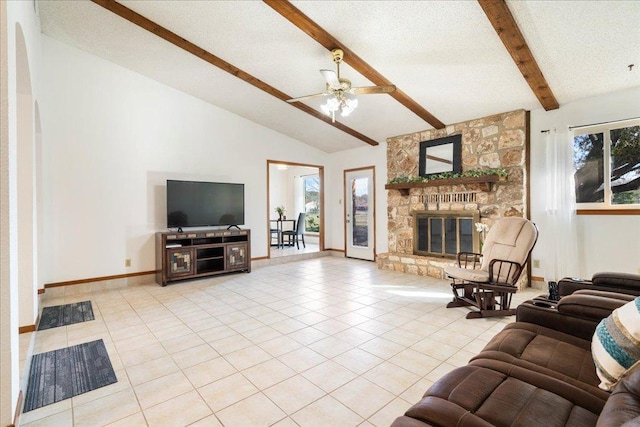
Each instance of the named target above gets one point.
<point>311,186</point>
<point>606,160</point>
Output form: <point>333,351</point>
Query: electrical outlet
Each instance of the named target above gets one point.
<point>536,263</point>
<point>127,262</point>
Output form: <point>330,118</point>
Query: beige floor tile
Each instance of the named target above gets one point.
<point>118,334</point>
<point>415,361</point>
<point>461,358</point>
<point>227,391</point>
<point>355,336</point>
<point>281,345</point>
<point>256,410</point>
<point>416,391</point>
<point>135,342</point>
<point>391,377</point>
<point>209,371</point>
<point>382,348</point>
<point>216,333</point>
<point>45,411</point>
<point>179,411</point>
<point>210,421</point>
<point>326,412</point>
<point>330,347</point>
<point>302,359</point>
<point>358,361</point>
<point>363,397</point>
<point>311,318</point>
<point>268,373</point>
<point>194,356</point>
<point>151,370</point>
<point>64,418</point>
<point>262,334</point>
<point>230,344</point>
<point>135,420</point>
<point>403,337</point>
<point>107,410</point>
<point>142,355</point>
<point>247,357</point>
<point>385,416</point>
<point>185,342</point>
<point>286,422</point>
<point>288,325</point>
<point>307,335</point>
<point>329,375</point>
<point>162,389</point>
<point>294,394</point>
<point>435,349</point>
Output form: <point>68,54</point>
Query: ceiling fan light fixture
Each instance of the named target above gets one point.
<point>347,106</point>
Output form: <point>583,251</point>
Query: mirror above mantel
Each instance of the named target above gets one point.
<point>440,155</point>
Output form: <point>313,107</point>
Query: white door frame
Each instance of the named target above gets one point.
<point>357,253</point>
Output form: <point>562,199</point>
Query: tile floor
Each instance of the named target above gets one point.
<point>321,342</point>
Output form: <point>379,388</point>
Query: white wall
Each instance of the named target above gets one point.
<point>605,243</point>
<point>112,138</point>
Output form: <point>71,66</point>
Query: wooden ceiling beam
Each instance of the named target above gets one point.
<point>505,25</point>
<point>316,32</point>
<point>163,33</point>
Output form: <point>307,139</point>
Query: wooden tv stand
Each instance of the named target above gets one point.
<point>194,254</point>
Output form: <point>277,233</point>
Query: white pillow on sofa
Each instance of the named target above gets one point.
<point>616,343</point>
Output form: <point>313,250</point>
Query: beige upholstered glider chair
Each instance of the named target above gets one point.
<point>487,280</point>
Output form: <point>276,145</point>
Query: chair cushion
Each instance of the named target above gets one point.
<point>509,239</point>
<point>467,274</point>
<point>623,406</point>
<point>616,343</point>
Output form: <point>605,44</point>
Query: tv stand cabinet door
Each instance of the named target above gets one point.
<point>180,263</point>
<point>237,256</point>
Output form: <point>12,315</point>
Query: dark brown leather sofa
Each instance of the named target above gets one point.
<point>538,371</point>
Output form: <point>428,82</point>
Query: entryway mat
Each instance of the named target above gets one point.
<point>68,314</point>
<point>60,374</point>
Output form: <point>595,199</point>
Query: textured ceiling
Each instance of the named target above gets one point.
<point>443,54</point>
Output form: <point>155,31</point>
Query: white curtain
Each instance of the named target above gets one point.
<point>560,257</point>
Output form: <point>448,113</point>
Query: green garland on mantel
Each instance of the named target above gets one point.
<point>402,179</point>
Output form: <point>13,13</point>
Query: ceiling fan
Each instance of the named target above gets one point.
<point>342,99</point>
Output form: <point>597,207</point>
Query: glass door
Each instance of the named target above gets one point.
<point>360,213</point>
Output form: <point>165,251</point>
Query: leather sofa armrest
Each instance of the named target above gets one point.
<point>576,314</point>
<point>606,281</point>
<point>617,280</point>
<point>594,305</point>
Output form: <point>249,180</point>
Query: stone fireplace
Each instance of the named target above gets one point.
<point>498,141</point>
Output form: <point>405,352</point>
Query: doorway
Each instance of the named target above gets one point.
<point>360,229</point>
<point>294,188</point>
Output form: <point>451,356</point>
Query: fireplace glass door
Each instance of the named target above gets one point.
<point>444,235</point>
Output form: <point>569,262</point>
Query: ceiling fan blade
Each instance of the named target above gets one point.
<point>331,78</point>
<point>365,90</point>
<point>302,98</point>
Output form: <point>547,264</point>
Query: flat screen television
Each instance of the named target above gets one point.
<point>203,204</point>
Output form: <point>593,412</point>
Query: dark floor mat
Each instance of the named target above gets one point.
<point>61,374</point>
<point>68,314</point>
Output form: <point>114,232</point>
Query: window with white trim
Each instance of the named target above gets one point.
<point>606,161</point>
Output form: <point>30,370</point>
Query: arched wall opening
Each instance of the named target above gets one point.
<point>27,251</point>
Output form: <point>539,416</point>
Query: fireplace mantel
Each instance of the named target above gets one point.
<point>483,181</point>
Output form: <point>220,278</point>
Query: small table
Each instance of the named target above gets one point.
<point>280,228</point>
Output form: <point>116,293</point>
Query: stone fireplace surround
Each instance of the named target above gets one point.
<point>498,141</point>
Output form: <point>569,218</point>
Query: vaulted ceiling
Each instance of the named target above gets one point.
<point>450,60</point>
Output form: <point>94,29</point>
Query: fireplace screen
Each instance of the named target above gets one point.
<point>445,233</point>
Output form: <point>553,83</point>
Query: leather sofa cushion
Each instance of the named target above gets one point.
<point>491,392</point>
<point>545,350</point>
<point>624,404</point>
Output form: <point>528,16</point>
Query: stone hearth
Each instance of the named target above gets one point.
<point>497,141</point>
